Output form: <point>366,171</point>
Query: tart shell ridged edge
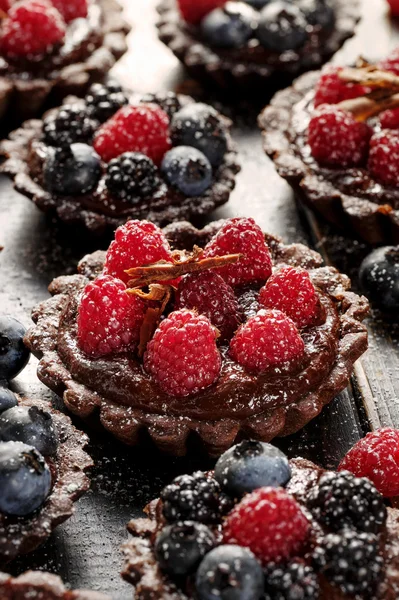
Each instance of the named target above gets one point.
<point>203,63</point>
<point>170,434</point>
<point>372,222</point>
<point>15,156</point>
<point>70,463</point>
<point>37,584</point>
<point>21,99</point>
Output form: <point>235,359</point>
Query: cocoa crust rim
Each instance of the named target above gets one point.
<point>44,585</point>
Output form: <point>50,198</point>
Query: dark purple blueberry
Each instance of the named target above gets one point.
<point>68,125</point>
<point>72,172</point>
<point>200,126</point>
<point>251,465</point>
<point>188,169</point>
<point>25,479</point>
<point>132,176</point>
<point>14,355</point>
<point>295,581</point>
<point>229,573</point>
<point>168,101</point>
<point>30,425</point>
<point>318,12</point>
<point>7,399</point>
<point>104,100</point>
<point>258,3</point>
<point>179,548</point>
<point>282,26</point>
<point>379,277</point>
<point>230,26</point>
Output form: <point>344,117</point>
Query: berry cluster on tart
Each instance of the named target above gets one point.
<point>52,48</point>
<point>246,337</point>
<point>334,136</point>
<point>261,526</point>
<point>112,156</point>
<point>250,42</point>
<point>41,585</point>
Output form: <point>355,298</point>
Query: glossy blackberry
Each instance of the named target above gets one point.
<point>168,101</point>
<point>194,497</point>
<point>104,100</point>
<point>69,125</point>
<point>132,176</point>
<point>343,500</point>
<point>351,561</point>
<point>295,581</point>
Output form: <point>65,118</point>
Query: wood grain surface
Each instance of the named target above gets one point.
<point>85,550</point>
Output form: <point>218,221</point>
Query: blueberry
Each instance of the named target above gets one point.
<point>379,277</point>
<point>230,26</point>
<point>7,399</point>
<point>229,573</point>
<point>200,126</point>
<point>251,465</point>
<point>30,425</point>
<point>25,479</point>
<point>257,3</point>
<point>188,169</point>
<point>318,12</point>
<point>72,171</point>
<point>282,26</point>
<point>179,548</point>
<point>14,355</point>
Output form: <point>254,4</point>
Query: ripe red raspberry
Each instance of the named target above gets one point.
<point>71,9</point>
<point>193,11</point>
<point>143,128</point>
<point>384,157</point>
<point>109,319</point>
<point>290,290</point>
<point>210,295</point>
<point>241,236</point>
<point>389,119</point>
<point>269,339</point>
<point>330,89</point>
<point>391,63</point>
<point>136,244</point>
<point>394,5</point>
<point>32,27</point>
<point>336,139</point>
<point>376,456</point>
<point>269,522</point>
<point>5,5</point>
<point>182,356</point>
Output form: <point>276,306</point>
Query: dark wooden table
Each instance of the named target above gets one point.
<point>85,550</point>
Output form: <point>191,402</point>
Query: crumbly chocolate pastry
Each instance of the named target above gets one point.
<point>37,584</point>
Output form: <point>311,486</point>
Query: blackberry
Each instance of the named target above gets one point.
<point>351,561</point>
<point>168,101</point>
<point>343,500</point>
<point>196,497</point>
<point>104,100</point>
<point>131,176</point>
<point>69,125</point>
<point>295,581</point>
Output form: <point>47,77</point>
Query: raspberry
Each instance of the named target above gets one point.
<point>377,457</point>
<point>391,63</point>
<point>269,339</point>
<point>143,128</point>
<point>290,582</point>
<point>71,9</point>
<point>330,89</point>
<point>270,523</point>
<point>68,125</point>
<point>383,161</point>
<point>389,119</point>
<point>183,357</point>
<point>341,500</point>
<point>210,295</point>
<point>136,244</point>
<point>193,11</point>
<point>196,497</point>
<point>394,5</point>
<point>5,5</point>
<point>32,27</point>
<point>109,319</point>
<point>241,236</point>
<point>291,291</point>
<point>336,139</point>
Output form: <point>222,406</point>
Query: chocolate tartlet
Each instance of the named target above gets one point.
<point>350,197</point>
<point>158,200</point>
<point>23,534</point>
<point>90,49</point>
<point>143,570</point>
<point>37,584</point>
<point>238,404</point>
<point>250,65</point>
